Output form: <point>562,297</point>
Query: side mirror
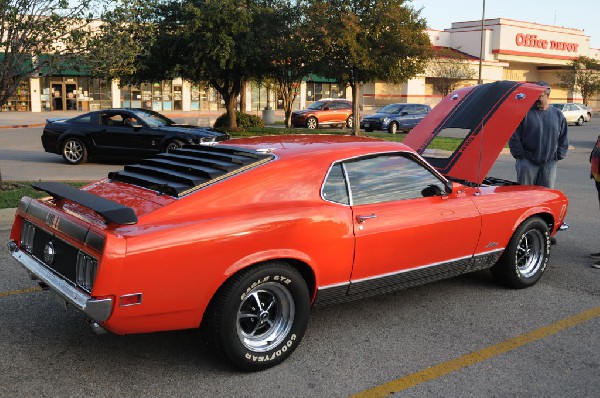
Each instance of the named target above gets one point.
<point>403,113</point>
<point>448,188</point>
<point>325,108</point>
<point>431,190</point>
<point>136,127</point>
<point>435,190</point>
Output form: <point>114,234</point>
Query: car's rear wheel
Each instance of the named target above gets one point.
<point>259,316</point>
<point>312,123</point>
<point>393,128</point>
<point>526,256</point>
<point>350,122</point>
<point>74,151</point>
<point>172,145</point>
<point>580,121</point>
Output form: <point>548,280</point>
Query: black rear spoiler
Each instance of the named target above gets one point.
<point>111,211</point>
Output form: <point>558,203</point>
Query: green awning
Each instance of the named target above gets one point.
<point>63,69</point>
<point>317,79</point>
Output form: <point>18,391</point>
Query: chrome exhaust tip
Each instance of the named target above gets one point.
<point>563,227</point>
<point>96,328</point>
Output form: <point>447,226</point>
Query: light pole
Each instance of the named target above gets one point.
<point>479,81</point>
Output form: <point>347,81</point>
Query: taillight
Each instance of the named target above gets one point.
<point>27,234</point>
<point>85,271</point>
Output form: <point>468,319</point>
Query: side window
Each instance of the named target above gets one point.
<point>391,177</point>
<point>84,119</point>
<point>334,188</point>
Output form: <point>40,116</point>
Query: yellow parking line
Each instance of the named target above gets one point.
<point>22,291</point>
<point>453,365</point>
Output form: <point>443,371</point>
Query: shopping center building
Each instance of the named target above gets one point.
<point>510,50</point>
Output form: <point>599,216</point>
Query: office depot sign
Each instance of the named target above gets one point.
<point>532,41</point>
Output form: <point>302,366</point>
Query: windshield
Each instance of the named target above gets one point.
<point>392,108</point>
<point>154,119</point>
<point>316,105</point>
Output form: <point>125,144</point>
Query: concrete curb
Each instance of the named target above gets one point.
<point>21,126</point>
<point>7,217</point>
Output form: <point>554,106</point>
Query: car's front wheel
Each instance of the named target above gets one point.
<point>259,316</point>
<point>172,145</point>
<point>526,256</point>
<point>74,151</point>
<point>393,128</point>
<point>312,123</point>
<point>580,121</point>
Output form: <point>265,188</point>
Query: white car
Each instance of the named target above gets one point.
<point>574,113</point>
<point>587,108</point>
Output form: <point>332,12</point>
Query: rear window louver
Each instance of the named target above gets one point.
<point>190,168</point>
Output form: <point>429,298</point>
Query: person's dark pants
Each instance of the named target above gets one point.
<point>598,189</point>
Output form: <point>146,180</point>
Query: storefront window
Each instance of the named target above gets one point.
<point>177,97</point>
<point>146,95</point>
<point>258,94</point>
<point>316,91</point>
<point>20,101</point>
<point>99,94</point>
<point>131,97</point>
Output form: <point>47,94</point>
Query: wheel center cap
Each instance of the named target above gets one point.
<point>264,315</point>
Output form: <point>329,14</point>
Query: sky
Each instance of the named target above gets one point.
<point>579,14</point>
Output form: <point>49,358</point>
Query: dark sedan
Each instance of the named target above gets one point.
<point>395,117</point>
<point>120,132</point>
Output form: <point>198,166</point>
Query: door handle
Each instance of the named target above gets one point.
<point>362,219</point>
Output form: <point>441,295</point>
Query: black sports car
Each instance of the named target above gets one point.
<point>120,132</point>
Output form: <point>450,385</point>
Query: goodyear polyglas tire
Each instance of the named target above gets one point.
<point>526,256</point>
<point>259,316</point>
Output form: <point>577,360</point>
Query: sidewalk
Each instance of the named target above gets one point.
<point>7,216</point>
<point>38,119</point>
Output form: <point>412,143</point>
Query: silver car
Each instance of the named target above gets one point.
<point>587,108</point>
<point>574,113</point>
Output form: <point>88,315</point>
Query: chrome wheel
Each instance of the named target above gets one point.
<point>530,253</point>
<point>350,122</point>
<point>311,123</point>
<point>74,151</point>
<point>265,317</point>
<point>393,128</point>
<point>172,145</point>
<point>580,121</point>
<point>526,255</point>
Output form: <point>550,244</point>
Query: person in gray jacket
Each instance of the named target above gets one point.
<point>539,142</point>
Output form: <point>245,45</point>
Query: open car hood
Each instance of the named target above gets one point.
<point>480,120</point>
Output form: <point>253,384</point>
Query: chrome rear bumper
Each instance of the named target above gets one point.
<point>98,310</point>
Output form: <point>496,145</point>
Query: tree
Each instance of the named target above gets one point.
<point>205,40</point>
<point>124,36</point>
<point>582,75</point>
<point>448,69</point>
<point>366,40</point>
<point>288,56</point>
<point>40,37</point>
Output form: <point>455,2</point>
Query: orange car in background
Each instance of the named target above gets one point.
<point>326,112</point>
<point>244,237</point>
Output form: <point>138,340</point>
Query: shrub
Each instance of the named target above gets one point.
<point>243,120</point>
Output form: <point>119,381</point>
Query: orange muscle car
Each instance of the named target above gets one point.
<point>245,236</point>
